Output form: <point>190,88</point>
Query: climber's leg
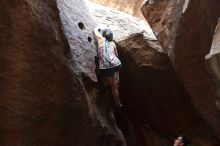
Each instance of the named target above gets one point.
<point>114,89</point>
<point>110,74</point>
<point>116,76</point>
<point>111,81</point>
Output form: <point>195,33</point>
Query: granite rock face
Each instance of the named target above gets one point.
<point>193,33</point>
<point>43,102</point>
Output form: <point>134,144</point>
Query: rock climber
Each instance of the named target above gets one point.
<point>181,141</point>
<point>109,63</point>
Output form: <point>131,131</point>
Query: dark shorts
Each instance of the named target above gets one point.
<point>109,72</point>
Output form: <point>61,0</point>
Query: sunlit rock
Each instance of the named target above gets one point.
<point>78,27</point>
<point>131,7</point>
<point>121,23</point>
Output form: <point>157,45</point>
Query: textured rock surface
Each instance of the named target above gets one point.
<point>150,89</point>
<point>158,106</point>
<point>121,23</point>
<point>47,89</point>
<point>193,71</point>
<point>193,38</point>
<point>163,17</point>
<point>129,6</point>
<point>213,62</point>
<point>43,102</point>
<point>78,27</point>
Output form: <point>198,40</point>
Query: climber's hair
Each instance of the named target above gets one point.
<point>107,34</point>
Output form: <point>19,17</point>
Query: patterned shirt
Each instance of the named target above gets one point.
<point>107,56</point>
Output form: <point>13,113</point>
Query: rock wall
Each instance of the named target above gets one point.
<point>78,26</point>
<point>43,102</point>
<point>121,23</point>
<point>48,90</point>
<point>213,65</point>
<point>194,72</point>
<point>163,17</point>
<point>157,108</point>
<point>129,6</point>
<point>193,37</point>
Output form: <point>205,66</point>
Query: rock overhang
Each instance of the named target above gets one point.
<point>123,25</point>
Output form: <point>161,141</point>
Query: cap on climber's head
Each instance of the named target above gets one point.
<point>108,34</point>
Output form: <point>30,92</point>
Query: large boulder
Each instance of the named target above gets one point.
<point>131,7</point>
<point>194,24</point>
<point>157,108</point>
<point>43,100</point>
<point>123,25</point>
<point>163,17</point>
<point>78,26</point>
